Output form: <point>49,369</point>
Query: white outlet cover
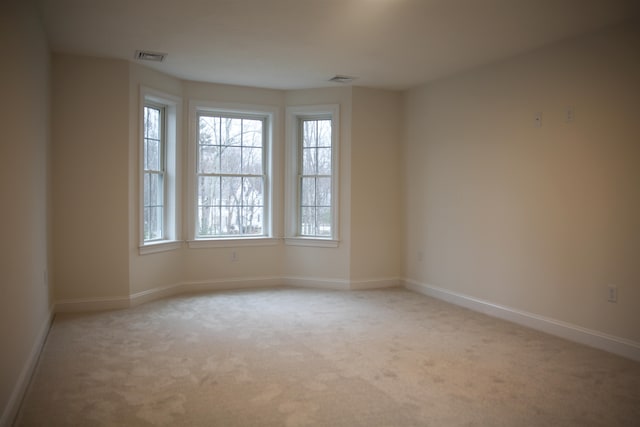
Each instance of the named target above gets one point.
<point>569,114</point>
<point>537,120</point>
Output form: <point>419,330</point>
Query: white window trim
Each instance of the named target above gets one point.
<point>159,246</point>
<point>294,114</point>
<point>232,242</point>
<point>312,241</point>
<point>173,115</point>
<point>271,194</point>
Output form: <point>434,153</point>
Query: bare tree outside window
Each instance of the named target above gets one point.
<point>154,173</point>
<point>230,175</point>
<point>315,178</point>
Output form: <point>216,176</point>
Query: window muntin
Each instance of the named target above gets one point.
<point>311,179</point>
<point>231,179</point>
<point>154,172</point>
<point>315,177</point>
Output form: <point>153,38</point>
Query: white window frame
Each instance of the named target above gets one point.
<point>270,194</point>
<point>293,153</point>
<point>172,107</point>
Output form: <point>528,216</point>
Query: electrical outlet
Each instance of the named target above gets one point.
<point>537,120</point>
<point>420,256</point>
<point>612,295</point>
<point>569,114</point>
<point>234,255</point>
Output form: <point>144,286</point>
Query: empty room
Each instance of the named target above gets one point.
<point>320,213</point>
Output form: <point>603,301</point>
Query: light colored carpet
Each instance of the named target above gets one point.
<point>298,357</point>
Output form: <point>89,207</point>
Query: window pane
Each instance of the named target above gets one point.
<point>252,133</point>
<point>153,177</point>
<point>252,192</point>
<point>208,220</point>
<point>146,190</point>
<point>231,131</point>
<point>152,122</point>
<point>231,190</point>
<point>209,159</point>
<point>323,227</point>
<point>209,191</point>
<point>209,130</point>
<point>152,155</point>
<point>324,161</point>
<point>157,229</point>
<point>252,161</point>
<point>155,195</point>
<point>309,161</point>
<point>309,133</point>
<point>308,221</point>
<point>308,192</point>
<point>230,160</point>
<point>231,220</point>
<point>153,223</point>
<point>146,219</point>
<point>323,192</point>
<point>324,133</point>
<point>316,169</point>
<point>252,220</point>
<point>231,153</point>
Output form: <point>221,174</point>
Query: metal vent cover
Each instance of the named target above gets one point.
<point>342,79</point>
<point>147,55</point>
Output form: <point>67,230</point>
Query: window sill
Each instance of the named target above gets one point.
<point>311,241</point>
<point>233,242</point>
<point>159,246</point>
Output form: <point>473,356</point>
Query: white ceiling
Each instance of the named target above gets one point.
<point>290,44</point>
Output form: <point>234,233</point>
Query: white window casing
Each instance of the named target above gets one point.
<point>220,230</point>
<point>170,107</point>
<point>297,176</point>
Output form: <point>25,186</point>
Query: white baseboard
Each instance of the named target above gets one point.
<point>620,346</point>
<point>91,304</point>
<point>13,405</point>
<point>231,284</point>
<point>78,305</point>
<point>316,282</point>
<point>382,283</point>
<point>203,286</point>
<point>154,294</point>
<point>260,282</point>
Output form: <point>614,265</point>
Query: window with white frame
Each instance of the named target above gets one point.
<point>312,181</point>
<point>159,171</point>
<point>154,149</point>
<point>231,175</point>
<point>314,177</point>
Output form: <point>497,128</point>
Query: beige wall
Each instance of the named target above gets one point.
<point>90,177</point>
<point>376,216</point>
<point>537,219</point>
<point>233,94</point>
<point>24,173</point>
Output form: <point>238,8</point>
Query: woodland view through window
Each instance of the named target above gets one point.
<point>315,178</point>
<point>154,173</point>
<point>230,175</point>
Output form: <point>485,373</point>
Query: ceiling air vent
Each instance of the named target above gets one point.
<point>342,79</point>
<point>147,55</point>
